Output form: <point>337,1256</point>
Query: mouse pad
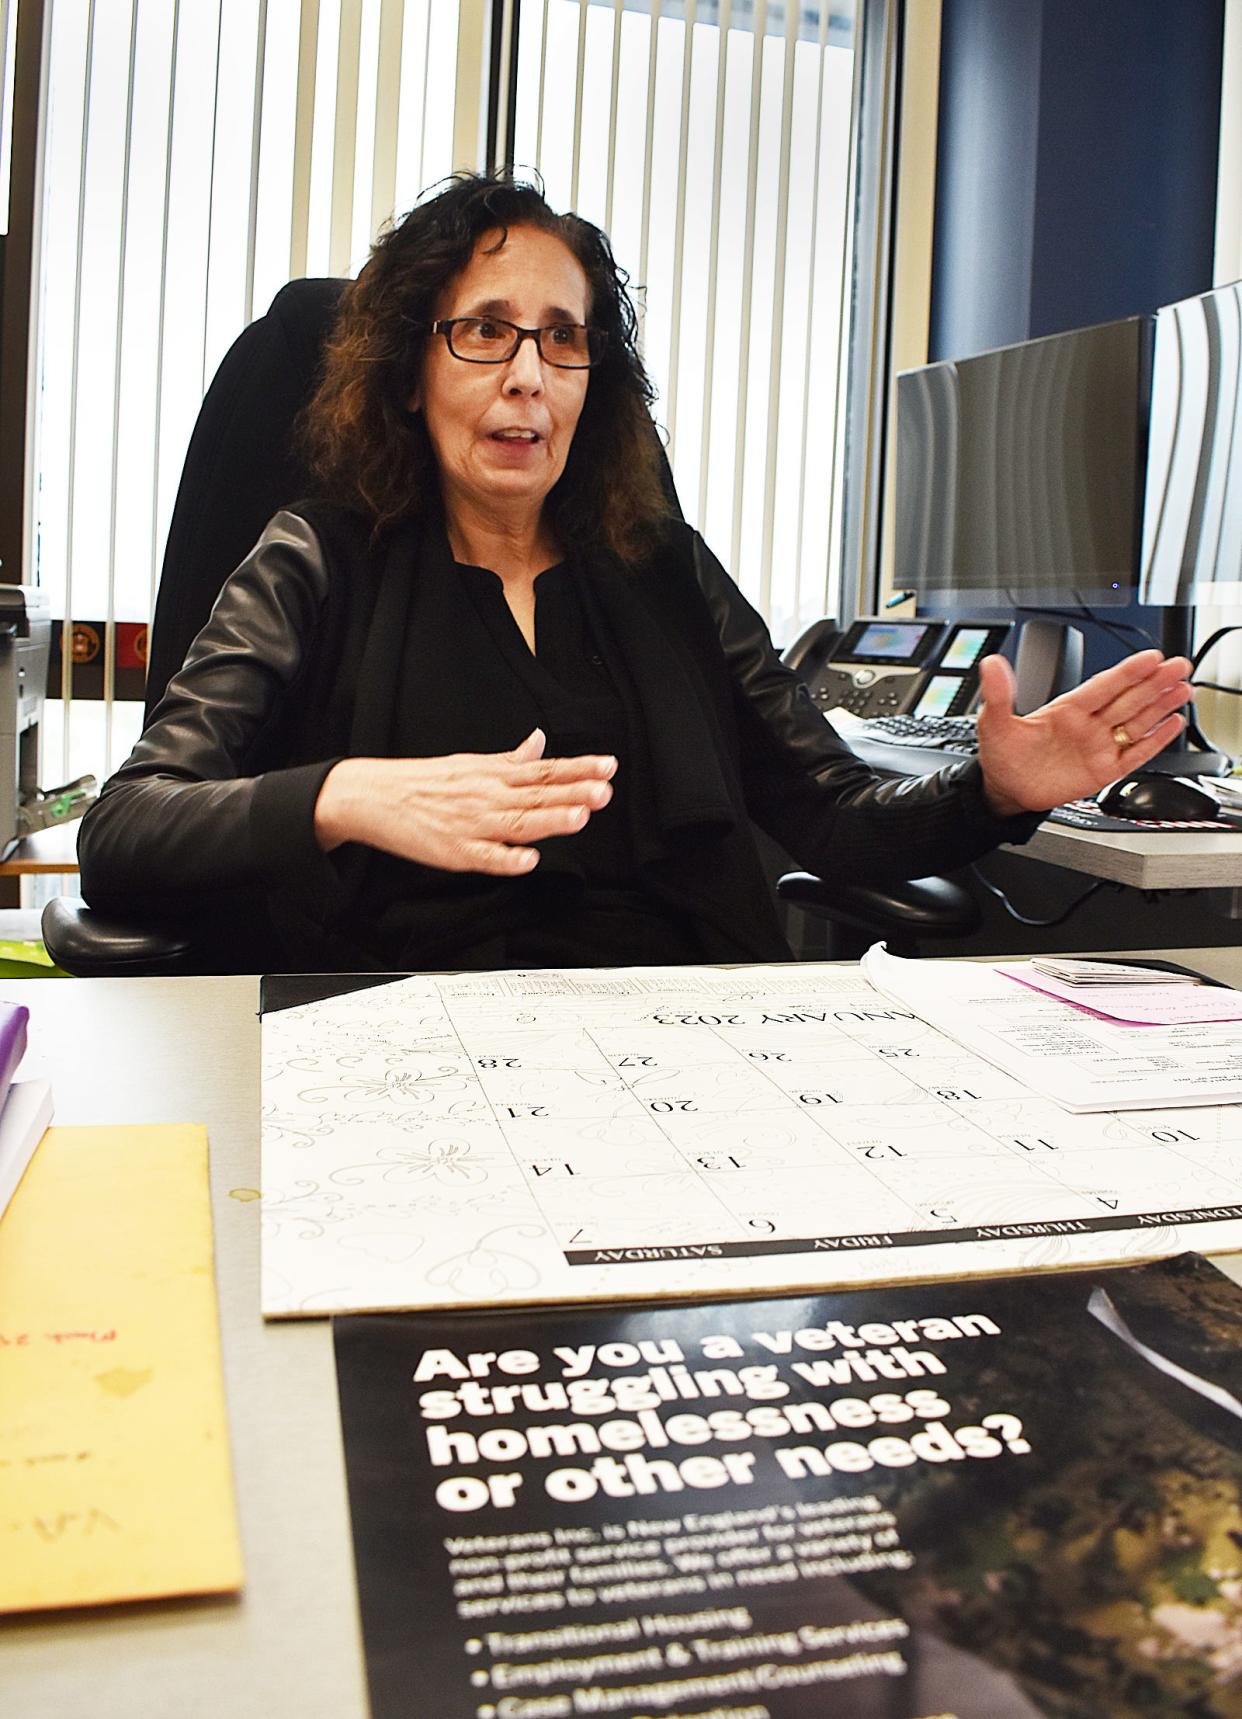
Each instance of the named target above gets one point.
<point>1086,815</point>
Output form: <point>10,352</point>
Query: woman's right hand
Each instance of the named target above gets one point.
<point>471,811</point>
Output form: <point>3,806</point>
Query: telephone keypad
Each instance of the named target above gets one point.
<point>865,691</point>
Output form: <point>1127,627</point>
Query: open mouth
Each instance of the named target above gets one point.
<point>516,436</point>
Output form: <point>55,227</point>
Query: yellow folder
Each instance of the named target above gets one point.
<point>115,1481</point>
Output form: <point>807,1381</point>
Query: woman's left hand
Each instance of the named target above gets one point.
<point>1106,728</point>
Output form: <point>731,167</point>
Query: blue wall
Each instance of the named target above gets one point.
<point>1076,164</point>
<point>986,161</point>
<point>1075,174</point>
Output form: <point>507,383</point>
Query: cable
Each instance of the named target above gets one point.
<point>1011,910</point>
<point>1118,628</point>
<point>1082,613</point>
<point>1215,638</point>
<point>1215,686</point>
<point>1192,726</point>
<point>1193,731</point>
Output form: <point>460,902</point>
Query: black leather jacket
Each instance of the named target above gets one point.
<point>210,800</point>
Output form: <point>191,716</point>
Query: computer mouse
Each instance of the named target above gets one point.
<point>1172,799</point>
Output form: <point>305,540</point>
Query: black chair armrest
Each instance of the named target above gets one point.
<point>903,911</point>
<point>93,945</point>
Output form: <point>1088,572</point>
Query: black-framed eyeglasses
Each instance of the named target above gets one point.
<point>490,340</point>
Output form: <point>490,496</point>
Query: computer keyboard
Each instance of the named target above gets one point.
<point>941,733</point>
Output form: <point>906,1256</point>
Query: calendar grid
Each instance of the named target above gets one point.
<point>501,1137</point>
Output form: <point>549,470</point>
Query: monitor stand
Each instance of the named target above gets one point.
<point>1183,757</point>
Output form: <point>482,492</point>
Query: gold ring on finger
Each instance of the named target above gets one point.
<point>1122,737</point>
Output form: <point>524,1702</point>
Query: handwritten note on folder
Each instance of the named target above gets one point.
<point>114,1460</point>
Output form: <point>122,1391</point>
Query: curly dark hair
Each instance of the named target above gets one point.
<point>368,452</point>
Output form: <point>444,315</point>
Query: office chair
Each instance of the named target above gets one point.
<point>241,466</point>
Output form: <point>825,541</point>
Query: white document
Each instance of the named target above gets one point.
<point>1144,1004</point>
<point>1080,1062</point>
<point>26,1112</point>
<point>507,1138</point>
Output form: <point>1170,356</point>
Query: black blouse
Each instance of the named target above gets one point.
<point>585,903</point>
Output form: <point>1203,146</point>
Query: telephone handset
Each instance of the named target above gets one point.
<point>880,667</point>
<point>811,649</point>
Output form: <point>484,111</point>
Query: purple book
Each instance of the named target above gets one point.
<point>13,1019</point>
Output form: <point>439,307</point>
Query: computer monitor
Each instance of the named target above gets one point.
<point>1020,472</point>
<point>1192,521</point>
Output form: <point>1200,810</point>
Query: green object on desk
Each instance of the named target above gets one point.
<point>27,961</point>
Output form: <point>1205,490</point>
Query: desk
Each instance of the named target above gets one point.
<point>1191,859</point>
<point>1142,859</point>
<point>48,852</point>
<point>53,850</point>
<point>187,1050</point>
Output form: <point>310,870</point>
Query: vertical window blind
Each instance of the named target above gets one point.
<point>712,141</point>
<point>1221,712</point>
<point>8,56</point>
<point>197,154</point>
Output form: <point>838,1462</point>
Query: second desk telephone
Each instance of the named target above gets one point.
<point>918,670</point>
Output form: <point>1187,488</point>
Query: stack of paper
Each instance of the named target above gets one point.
<point>14,1020</point>
<point>1107,973</point>
<point>25,1106</point>
<point>1078,1058</point>
<point>1147,1003</point>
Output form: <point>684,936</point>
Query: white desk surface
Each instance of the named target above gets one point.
<point>187,1050</point>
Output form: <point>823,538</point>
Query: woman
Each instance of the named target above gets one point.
<point>485,701</point>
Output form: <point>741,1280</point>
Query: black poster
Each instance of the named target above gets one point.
<point>983,1500</point>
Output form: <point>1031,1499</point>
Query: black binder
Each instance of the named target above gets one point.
<point>286,990</point>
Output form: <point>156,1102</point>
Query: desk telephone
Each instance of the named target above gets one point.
<point>879,668</point>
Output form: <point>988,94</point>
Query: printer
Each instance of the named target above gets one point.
<point>25,648</point>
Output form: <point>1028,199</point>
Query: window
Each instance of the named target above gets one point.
<point>712,142</point>
<point>196,156</point>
